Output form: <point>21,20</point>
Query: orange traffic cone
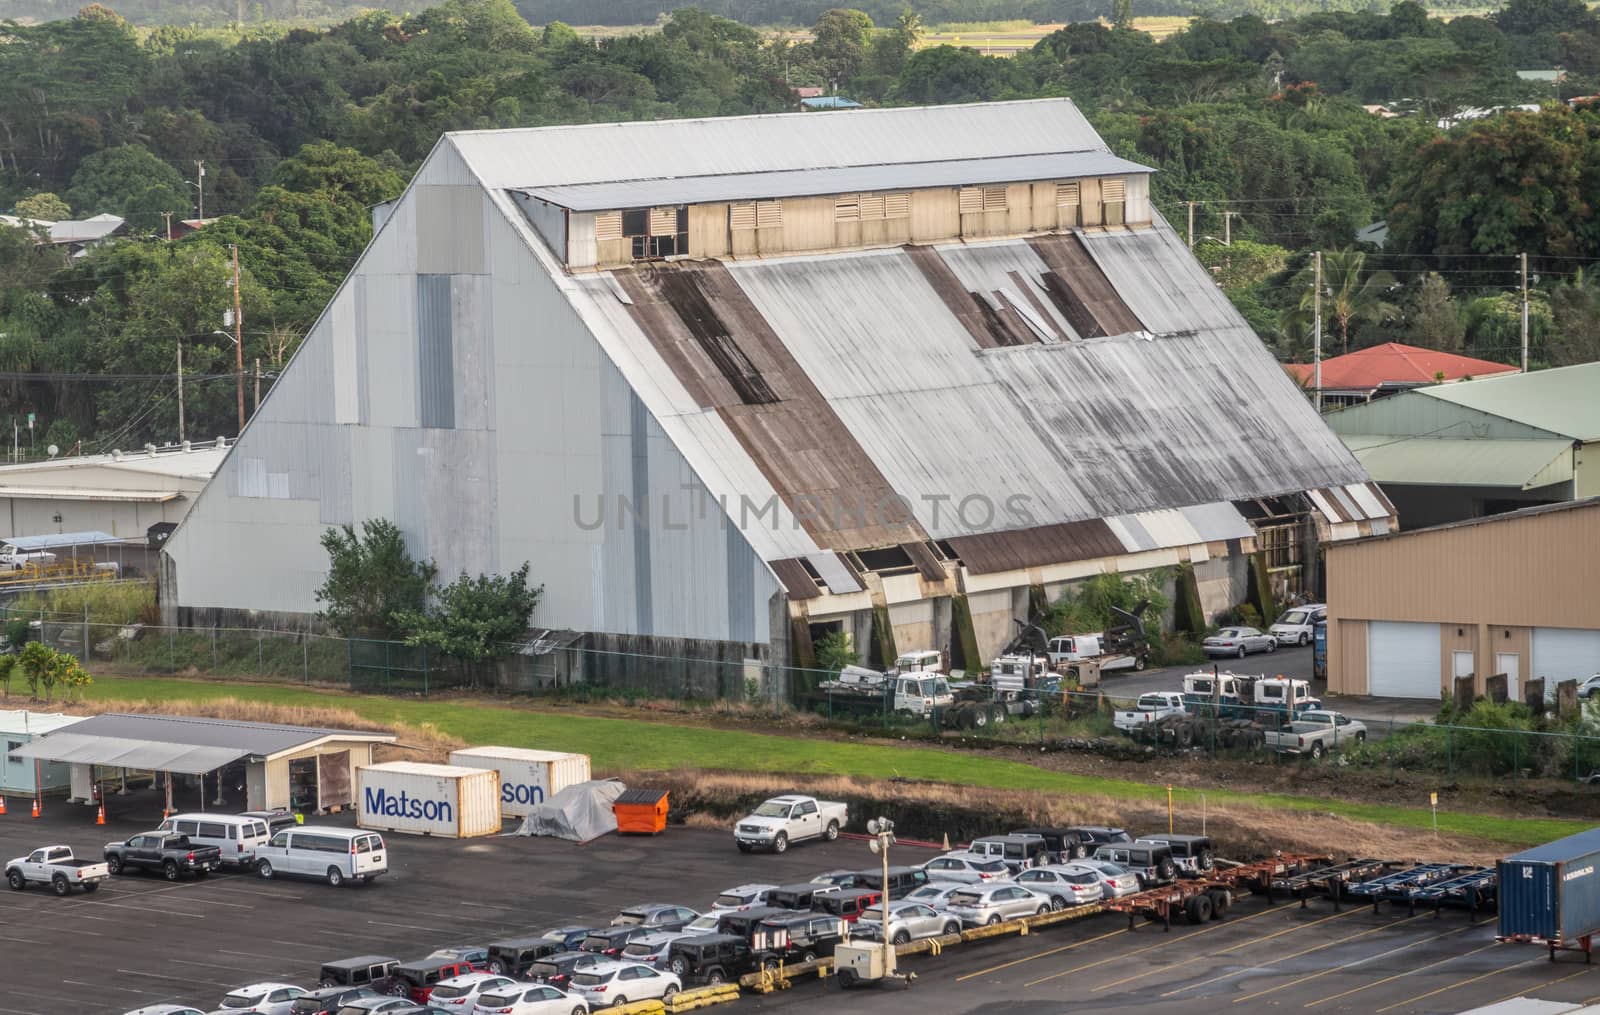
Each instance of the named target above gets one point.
<point>100,818</point>
<point>2,804</point>
<point>36,807</point>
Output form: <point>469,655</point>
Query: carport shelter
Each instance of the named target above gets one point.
<point>299,767</point>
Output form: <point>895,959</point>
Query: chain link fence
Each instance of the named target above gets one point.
<point>1057,719</point>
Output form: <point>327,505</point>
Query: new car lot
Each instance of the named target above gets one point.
<point>103,954</point>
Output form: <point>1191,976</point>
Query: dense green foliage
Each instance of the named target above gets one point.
<point>301,131</point>
<point>474,620</point>
<point>373,584</point>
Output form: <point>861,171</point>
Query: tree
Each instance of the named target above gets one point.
<point>8,666</point>
<point>1122,14</point>
<point>1534,17</point>
<point>834,653</point>
<point>373,581</point>
<point>1575,331</point>
<point>1349,296</point>
<point>44,207</point>
<point>839,43</point>
<point>1433,320</point>
<point>475,620</point>
<point>130,182</point>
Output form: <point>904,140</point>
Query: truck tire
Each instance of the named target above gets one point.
<point>1221,901</point>
<point>999,715</point>
<point>980,718</point>
<point>780,842</point>
<point>1183,733</point>
<point>264,870</point>
<point>60,885</point>
<point>114,863</point>
<point>335,877</point>
<point>964,719</point>
<point>169,870</point>
<point>832,831</point>
<point>15,879</point>
<point>1199,908</point>
<point>1166,869</point>
<point>1317,751</point>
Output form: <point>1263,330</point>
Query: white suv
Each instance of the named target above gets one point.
<point>617,983</point>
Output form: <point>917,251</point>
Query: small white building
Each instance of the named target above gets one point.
<point>122,493</point>
<point>23,777</point>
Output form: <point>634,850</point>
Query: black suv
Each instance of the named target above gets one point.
<point>375,971</point>
<point>798,937</point>
<point>1077,842</point>
<point>743,925</point>
<point>798,896</point>
<point>714,959</point>
<point>513,957</point>
<point>609,941</point>
<point>557,969</point>
<point>902,880</point>
<point>328,1000</point>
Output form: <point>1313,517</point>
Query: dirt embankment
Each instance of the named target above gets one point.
<point>931,811</point>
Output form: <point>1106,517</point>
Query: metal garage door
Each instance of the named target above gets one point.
<point>1565,653</point>
<point>1402,660</point>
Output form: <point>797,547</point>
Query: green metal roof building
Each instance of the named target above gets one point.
<point>1474,448</point>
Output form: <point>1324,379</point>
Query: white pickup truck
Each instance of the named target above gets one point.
<point>786,819</point>
<point>57,867</point>
<point>1152,706</point>
<point>1316,732</point>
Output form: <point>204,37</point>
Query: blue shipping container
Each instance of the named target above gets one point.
<point>1552,892</point>
<point>1319,651</point>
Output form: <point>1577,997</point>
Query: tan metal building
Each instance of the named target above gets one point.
<point>1516,593</point>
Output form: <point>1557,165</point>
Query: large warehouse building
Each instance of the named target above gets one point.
<point>738,382</point>
<point>1514,593</point>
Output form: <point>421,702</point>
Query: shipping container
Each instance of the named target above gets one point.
<point>446,800</point>
<point>1551,894</point>
<point>527,778</point>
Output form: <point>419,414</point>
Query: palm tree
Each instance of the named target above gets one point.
<point>1348,295</point>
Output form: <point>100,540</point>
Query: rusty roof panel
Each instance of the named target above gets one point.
<point>795,578</point>
<point>1079,286</point>
<point>1047,544</point>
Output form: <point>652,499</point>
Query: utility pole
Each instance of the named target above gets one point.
<point>238,334</point>
<point>180,389</point>
<point>1524,259</point>
<point>257,407</point>
<point>200,187</point>
<point>168,216</point>
<point>1227,229</point>
<point>1191,224</point>
<point>1316,329</point>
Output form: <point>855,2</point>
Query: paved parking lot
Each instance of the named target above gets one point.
<point>141,940</point>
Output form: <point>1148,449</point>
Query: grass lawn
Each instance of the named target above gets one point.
<point>623,744</point>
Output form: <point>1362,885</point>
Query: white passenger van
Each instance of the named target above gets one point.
<point>335,855</point>
<point>237,835</point>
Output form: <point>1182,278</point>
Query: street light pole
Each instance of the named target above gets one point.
<point>883,830</point>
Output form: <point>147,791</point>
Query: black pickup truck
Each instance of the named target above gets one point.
<point>172,855</point>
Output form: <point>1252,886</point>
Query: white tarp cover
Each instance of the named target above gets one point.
<point>580,812</point>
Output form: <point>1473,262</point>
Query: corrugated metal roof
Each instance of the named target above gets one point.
<point>89,493</point>
<point>1455,461</point>
<point>76,748</point>
<point>611,152</point>
<point>1561,401</point>
<point>1394,365</point>
<point>656,191</point>
<point>1046,544</point>
<point>21,720</point>
<point>61,540</point>
<point>795,578</point>
<point>249,737</point>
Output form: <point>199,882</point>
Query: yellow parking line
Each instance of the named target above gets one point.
<point>1231,948</point>
<point>1396,976</point>
<point>1294,955</point>
<point>1039,955</point>
<point>1165,941</point>
<point>1348,965</point>
<point>1463,983</point>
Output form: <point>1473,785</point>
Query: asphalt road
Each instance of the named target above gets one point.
<point>140,940</point>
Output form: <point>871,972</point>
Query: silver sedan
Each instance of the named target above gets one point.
<point>966,867</point>
<point>908,921</point>
<point>981,905</point>
<point>1239,641</point>
<point>1115,881</point>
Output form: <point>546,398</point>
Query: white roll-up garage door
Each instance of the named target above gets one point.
<point>1565,653</point>
<point>1402,660</point>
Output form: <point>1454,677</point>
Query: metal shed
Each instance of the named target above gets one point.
<point>303,768</point>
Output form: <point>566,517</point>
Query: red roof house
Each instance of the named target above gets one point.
<point>1366,374</point>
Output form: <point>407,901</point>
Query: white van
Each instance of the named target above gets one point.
<point>1298,625</point>
<point>237,835</point>
<point>335,855</point>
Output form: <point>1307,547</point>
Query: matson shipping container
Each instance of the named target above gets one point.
<point>527,778</point>
<point>446,800</point>
<point>1550,895</point>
